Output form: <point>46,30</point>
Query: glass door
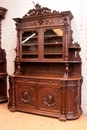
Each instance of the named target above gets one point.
<point>53,44</point>
<point>30,44</point>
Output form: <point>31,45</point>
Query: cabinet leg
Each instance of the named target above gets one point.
<point>11,107</point>
<point>62,118</point>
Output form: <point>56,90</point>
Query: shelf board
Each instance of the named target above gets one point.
<point>48,36</point>
<point>36,44</point>
<point>30,44</point>
<point>53,43</point>
<point>29,53</point>
<point>53,54</point>
<point>74,47</point>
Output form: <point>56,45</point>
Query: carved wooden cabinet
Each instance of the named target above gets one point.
<point>3,64</point>
<point>47,69</point>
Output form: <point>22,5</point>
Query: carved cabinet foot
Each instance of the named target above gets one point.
<point>62,118</point>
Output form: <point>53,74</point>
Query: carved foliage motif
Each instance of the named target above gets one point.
<point>26,96</point>
<point>75,98</point>
<point>42,22</point>
<point>49,98</point>
<point>39,11</point>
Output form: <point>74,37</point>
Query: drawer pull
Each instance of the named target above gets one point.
<point>25,80</point>
<point>50,82</point>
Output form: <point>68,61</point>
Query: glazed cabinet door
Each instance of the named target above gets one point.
<point>29,44</point>
<point>25,95</point>
<point>53,44</point>
<point>50,99</point>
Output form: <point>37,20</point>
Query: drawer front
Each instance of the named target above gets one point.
<point>49,81</point>
<point>26,80</point>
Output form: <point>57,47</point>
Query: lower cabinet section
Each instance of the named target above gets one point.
<point>57,98</point>
<point>3,88</point>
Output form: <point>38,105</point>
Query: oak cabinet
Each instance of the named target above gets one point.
<point>47,76</point>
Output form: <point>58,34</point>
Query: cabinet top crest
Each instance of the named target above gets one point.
<point>39,12</point>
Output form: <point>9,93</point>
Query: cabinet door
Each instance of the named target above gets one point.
<point>50,98</point>
<point>73,98</point>
<point>25,95</point>
<point>29,44</point>
<point>53,44</point>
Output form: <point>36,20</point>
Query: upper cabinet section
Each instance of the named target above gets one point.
<point>44,35</point>
<point>42,44</point>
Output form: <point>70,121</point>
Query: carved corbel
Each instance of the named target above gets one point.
<point>66,70</point>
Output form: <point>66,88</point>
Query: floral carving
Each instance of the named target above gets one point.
<point>26,97</point>
<point>49,100</point>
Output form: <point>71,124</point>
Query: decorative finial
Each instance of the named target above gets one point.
<point>37,6</point>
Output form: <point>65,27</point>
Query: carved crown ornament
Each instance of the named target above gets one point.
<point>38,10</point>
<point>40,17</point>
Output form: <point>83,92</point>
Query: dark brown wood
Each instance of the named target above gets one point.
<point>47,74</point>
<point>3,64</point>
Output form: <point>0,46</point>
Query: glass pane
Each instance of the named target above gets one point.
<point>53,44</point>
<point>30,44</point>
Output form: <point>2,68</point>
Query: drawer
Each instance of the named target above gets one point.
<point>26,80</point>
<point>49,81</point>
<point>73,83</point>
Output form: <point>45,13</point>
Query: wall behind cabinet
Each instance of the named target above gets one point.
<point>17,8</point>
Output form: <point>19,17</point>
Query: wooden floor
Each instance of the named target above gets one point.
<point>23,121</point>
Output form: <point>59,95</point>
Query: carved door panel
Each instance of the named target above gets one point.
<point>50,98</point>
<point>73,101</point>
<point>26,95</point>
